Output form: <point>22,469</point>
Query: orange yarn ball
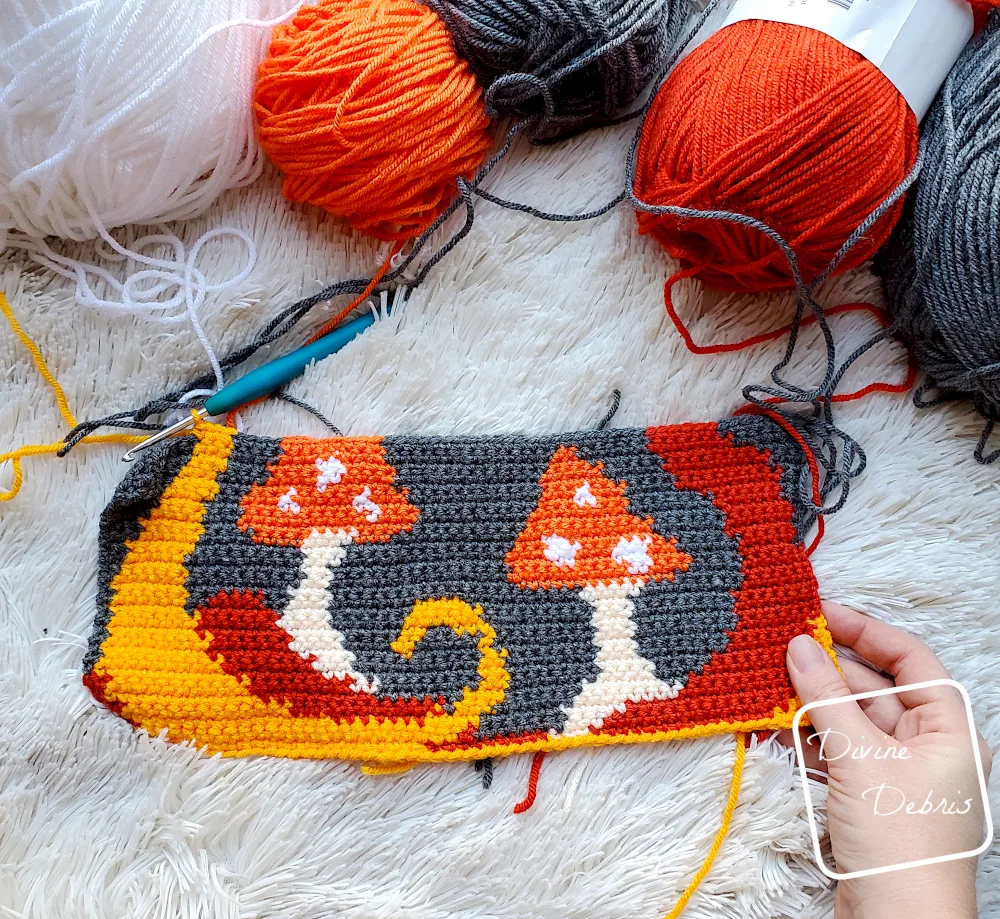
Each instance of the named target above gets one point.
<point>786,125</point>
<point>369,112</point>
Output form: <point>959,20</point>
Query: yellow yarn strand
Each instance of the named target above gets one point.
<point>386,768</point>
<point>720,837</point>
<point>14,456</point>
<point>36,356</point>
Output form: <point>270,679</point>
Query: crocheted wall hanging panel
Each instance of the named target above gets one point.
<point>402,599</point>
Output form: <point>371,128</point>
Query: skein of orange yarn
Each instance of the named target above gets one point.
<point>331,97</point>
<point>373,109</point>
<point>783,124</point>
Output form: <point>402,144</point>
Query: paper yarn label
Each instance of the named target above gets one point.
<point>913,42</point>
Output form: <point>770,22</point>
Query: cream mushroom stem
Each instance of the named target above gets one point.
<point>624,675</point>
<point>306,618</point>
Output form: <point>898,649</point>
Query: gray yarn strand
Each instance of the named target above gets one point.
<point>942,266</point>
<point>564,66</point>
<point>305,406</point>
<point>616,401</point>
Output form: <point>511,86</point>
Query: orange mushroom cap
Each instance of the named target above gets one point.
<point>581,533</point>
<point>335,484</point>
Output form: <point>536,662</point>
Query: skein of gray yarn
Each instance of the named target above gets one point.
<point>942,266</point>
<point>568,64</point>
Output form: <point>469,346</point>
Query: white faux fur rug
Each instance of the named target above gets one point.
<point>527,327</point>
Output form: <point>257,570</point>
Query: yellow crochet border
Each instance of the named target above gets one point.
<point>158,670</point>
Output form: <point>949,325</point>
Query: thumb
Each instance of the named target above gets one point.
<point>816,677</point>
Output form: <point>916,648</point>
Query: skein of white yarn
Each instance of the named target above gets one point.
<point>118,112</point>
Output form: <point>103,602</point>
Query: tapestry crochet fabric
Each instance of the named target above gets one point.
<point>402,599</point>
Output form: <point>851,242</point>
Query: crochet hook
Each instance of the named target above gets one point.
<point>264,380</point>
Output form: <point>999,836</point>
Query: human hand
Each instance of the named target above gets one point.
<point>885,757</point>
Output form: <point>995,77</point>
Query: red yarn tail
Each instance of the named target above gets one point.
<point>725,348</point>
<point>529,798</point>
<point>360,298</point>
<point>728,348</point>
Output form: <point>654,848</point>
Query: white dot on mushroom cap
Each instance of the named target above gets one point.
<point>633,552</point>
<point>331,471</point>
<point>584,495</point>
<point>560,551</point>
<point>363,504</point>
<point>287,502</point>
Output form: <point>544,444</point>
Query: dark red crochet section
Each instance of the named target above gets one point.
<point>246,640</point>
<point>748,681</point>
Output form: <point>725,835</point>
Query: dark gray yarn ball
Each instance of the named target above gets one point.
<point>942,266</point>
<point>568,64</point>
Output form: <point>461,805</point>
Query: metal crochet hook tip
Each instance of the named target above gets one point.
<point>264,380</point>
<point>163,434</point>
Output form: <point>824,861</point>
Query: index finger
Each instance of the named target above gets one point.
<point>890,649</point>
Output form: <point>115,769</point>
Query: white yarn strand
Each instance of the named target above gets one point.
<point>119,112</point>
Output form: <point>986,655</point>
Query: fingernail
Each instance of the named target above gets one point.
<point>805,653</point>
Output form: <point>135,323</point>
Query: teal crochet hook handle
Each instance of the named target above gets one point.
<point>264,380</point>
<point>275,374</point>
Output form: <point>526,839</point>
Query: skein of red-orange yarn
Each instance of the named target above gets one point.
<point>783,124</point>
<point>345,81</point>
